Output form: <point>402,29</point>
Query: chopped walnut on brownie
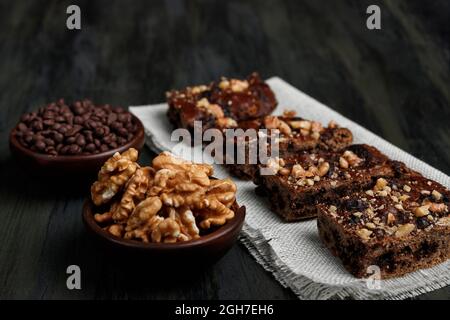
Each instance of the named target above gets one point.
<point>304,180</point>
<point>399,224</point>
<point>221,104</point>
<point>295,135</point>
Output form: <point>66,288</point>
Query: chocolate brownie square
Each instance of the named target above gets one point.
<point>221,104</point>
<point>295,135</point>
<point>299,183</point>
<point>400,224</point>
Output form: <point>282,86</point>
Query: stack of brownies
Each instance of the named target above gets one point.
<point>370,210</point>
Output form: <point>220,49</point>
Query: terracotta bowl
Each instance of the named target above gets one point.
<point>69,165</point>
<point>208,248</point>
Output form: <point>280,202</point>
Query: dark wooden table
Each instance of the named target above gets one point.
<point>393,81</point>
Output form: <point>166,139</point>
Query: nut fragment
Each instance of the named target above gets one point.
<point>273,122</point>
<point>214,109</point>
<point>332,124</point>
<point>300,124</point>
<point>437,207</point>
<point>316,127</point>
<point>275,164</point>
<point>134,192</point>
<point>407,188</point>
<point>436,195</point>
<point>364,233</point>
<point>113,175</point>
<point>390,218</point>
<point>312,128</point>
<point>297,171</point>
<point>214,208</point>
<point>444,221</point>
<point>289,113</point>
<point>166,231</point>
<point>198,89</point>
<point>238,85</point>
<point>370,225</point>
<point>403,197</point>
<point>226,122</point>
<point>421,211</point>
<point>404,230</point>
<point>115,230</point>
<point>352,158</point>
<point>343,163</point>
<point>380,185</point>
<point>224,84</point>
<point>323,168</point>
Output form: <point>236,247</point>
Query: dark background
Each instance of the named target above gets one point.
<point>393,81</point>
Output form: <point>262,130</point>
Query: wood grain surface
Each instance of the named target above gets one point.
<point>393,81</point>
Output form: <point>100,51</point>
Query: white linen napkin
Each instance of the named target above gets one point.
<point>293,252</point>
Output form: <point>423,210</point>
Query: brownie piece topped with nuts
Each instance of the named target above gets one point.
<point>221,103</point>
<point>302,181</point>
<point>295,135</point>
<point>400,224</point>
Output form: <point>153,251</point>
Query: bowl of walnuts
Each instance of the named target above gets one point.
<point>73,139</point>
<point>171,209</point>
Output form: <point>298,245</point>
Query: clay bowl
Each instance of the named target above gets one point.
<point>207,249</point>
<point>82,166</point>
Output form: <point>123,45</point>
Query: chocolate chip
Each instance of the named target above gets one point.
<point>90,147</point>
<point>422,222</point>
<point>58,137</point>
<point>25,117</point>
<point>89,136</point>
<point>74,149</point>
<point>70,140</point>
<point>92,124</point>
<point>49,122</point>
<point>356,204</point>
<point>112,117</point>
<point>113,144</point>
<point>49,142</point>
<point>116,125</point>
<point>64,150</point>
<point>63,129</point>
<point>78,120</point>
<point>22,127</point>
<point>81,141</point>
<point>123,118</point>
<point>28,137</point>
<point>37,125</point>
<point>122,132</point>
<point>99,131</point>
<point>40,145</point>
<point>48,115</point>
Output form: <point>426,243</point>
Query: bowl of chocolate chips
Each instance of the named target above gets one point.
<point>73,138</point>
